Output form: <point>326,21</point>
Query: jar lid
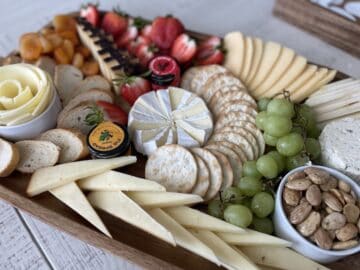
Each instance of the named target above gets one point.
<point>108,140</point>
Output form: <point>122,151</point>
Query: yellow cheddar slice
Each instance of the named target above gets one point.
<point>71,195</point>
<point>270,55</point>
<point>295,69</point>
<point>248,55</point>
<point>183,237</point>
<point>282,64</point>
<point>328,78</point>
<point>119,205</point>
<point>302,79</point>
<point>255,61</point>
<point>234,44</point>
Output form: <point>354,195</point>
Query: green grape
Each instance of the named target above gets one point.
<point>290,144</point>
<point>249,186</point>
<point>297,129</point>
<point>276,125</point>
<point>267,166</point>
<point>305,118</point>
<point>296,161</point>
<point>280,160</point>
<point>264,225</point>
<point>270,140</point>
<point>238,215</point>
<point>263,103</point>
<point>312,130</point>
<point>261,119</point>
<point>249,169</point>
<point>305,112</point>
<point>232,195</point>
<point>247,202</point>
<point>312,146</point>
<point>262,204</point>
<point>282,107</point>
<point>216,209</point>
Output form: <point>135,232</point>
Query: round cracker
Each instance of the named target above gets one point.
<point>188,76</point>
<point>252,128</point>
<point>221,97</point>
<point>246,134</point>
<point>217,82</point>
<point>216,175</point>
<point>202,76</point>
<point>228,175</point>
<point>239,107</point>
<point>172,166</point>
<point>203,178</point>
<point>236,139</point>
<point>224,119</point>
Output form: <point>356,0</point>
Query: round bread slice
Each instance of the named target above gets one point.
<point>9,158</point>
<point>224,119</point>
<point>188,76</point>
<point>236,139</point>
<point>217,82</point>
<point>174,167</point>
<point>36,154</point>
<point>242,107</point>
<point>204,73</point>
<point>89,96</point>
<point>203,178</point>
<point>250,127</point>
<point>234,159</point>
<point>220,97</point>
<point>75,118</point>
<point>216,175</point>
<point>246,134</point>
<point>228,175</point>
<point>71,142</point>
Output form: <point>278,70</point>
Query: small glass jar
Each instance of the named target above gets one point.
<point>108,140</point>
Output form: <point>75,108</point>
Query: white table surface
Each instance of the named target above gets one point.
<point>25,242</point>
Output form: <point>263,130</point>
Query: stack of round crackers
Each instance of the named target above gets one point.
<point>218,165</point>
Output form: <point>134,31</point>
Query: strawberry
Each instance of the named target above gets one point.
<point>210,52</point>
<point>129,35</point>
<point>145,53</point>
<point>114,23</point>
<point>90,13</point>
<point>105,111</point>
<point>164,31</point>
<point>132,87</point>
<point>146,31</point>
<point>134,45</point>
<point>164,72</point>
<point>183,49</point>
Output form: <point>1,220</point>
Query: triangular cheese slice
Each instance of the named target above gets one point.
<point>280,258</point>
<point>163,199</point>
<point>196,219</point>
<point>48,178</point>
<point>253,238</point>
<point>117,181</point>
<point>71,195</point>
<point>229,257</point>
<point>119,205</point>
<point>183,237</point>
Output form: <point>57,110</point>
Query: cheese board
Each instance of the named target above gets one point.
<point>157,231</point>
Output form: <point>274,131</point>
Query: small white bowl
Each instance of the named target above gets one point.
<point>30,130</point>
<point>285,229</point>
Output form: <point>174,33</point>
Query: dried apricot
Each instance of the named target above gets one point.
<point>78,60</point>
<point>30,46</point>
<point>61,57</point>
<point>90,68</point>
<point>69,48</point>
<point>55,39</point>
<point>46,45</point>
<point>84,51</point>
<point>64,22</point>
<point>70,35</point>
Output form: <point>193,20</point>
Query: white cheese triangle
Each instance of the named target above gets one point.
<point>71,195</point>
<point>164,101</point>
<point>184,139</point>
<point>198,133</point>
<point>150,102</point>
<point>119,205</point>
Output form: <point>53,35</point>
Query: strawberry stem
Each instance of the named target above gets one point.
<point>140,22</point>
<point>95,117</point>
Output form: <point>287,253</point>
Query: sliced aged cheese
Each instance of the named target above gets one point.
<point>192,218</point>
<point>228,256</point>
<point>119,205</point>
<point>281,258</point>
<point>328,78</point>
<point>270,55</point>
<point>71,195</point>
<point>281,66</point>
<point>340,112</point>
<point>183,237</point>
<point>338,103</point>
<point>151,199</point>
<point>234,44</point>
<point>293,72</point>
<point>255,62</point>
<point>302,79</point>
<point>253,238</point>
<point>335,86</point>
<point>248,56</point>
<point>117,181</point>
<point>48,178</point>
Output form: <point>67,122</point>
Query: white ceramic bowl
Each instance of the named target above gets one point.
<point>285,229</point>
<point>29,130</point>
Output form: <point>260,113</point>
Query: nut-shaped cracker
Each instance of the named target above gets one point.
<point>299,184</point>
<point>323,239</point>
<point>333,221</point>
<point>347,232</point>
<point>174,167</point>
<point>300,213</point>
<point>313,195</point>
<point>291,197</point>
<point>351,212</point>
<point>310,224</point>
<point>317,176</point>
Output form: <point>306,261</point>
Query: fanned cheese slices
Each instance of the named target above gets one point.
<point>170,116</point>
<point>268,69</point>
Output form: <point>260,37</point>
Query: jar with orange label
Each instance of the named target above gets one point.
<point>108,140</point>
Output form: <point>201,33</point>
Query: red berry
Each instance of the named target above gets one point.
<point>114,24</point>
<point>132,87</point>
<point>146,31</point>
<point>210,52</point>
<point>90,13</point>
<point>145,53</point>
<point>165,30</point>
<point>113,112</point>
<point>183,49</point>
<point>129,35</point>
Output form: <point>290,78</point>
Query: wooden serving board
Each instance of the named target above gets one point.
<point>128,242</point>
